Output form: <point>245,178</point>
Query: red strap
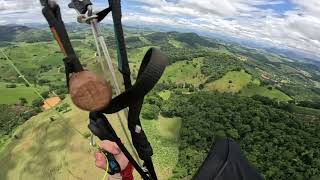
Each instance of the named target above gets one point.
<point>127,173</point>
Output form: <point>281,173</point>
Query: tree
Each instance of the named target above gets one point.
<point>43,81</point>
<point>62,96</point>
<point>11,85</point>
<point>150,111</point>
<point>45,94</point>
<point>37,102</point>
<point>279,144</point>
<point>233,133</point>
<point>23,101</point>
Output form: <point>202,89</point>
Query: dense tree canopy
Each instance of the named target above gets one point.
<point>12,116</point>
<point>217,65</point>
<point>279,144</point>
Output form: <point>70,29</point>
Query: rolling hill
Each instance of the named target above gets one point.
<point>16,33</point>
<point>46,146</point>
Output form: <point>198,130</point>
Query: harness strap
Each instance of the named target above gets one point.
<point>150,72</point>
<point>53,16</point>
<point>102,14</point>
<point>146,80</point>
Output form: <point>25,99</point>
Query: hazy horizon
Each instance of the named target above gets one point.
<point>281,23</point>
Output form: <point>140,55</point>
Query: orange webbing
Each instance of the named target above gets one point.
<point>55,34</point>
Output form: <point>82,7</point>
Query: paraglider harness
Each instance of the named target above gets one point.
<point>151,70</point>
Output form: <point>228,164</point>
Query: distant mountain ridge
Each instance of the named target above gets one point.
<point>9,32</point>
<point>19,33</point>
<point>290,53</point>
<point>38,32</point>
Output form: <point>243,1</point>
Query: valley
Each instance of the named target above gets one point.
<point>205,79</point>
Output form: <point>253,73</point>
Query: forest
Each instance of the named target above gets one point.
<point>280,144</point>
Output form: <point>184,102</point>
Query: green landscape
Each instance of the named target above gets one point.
<point>267,103</point>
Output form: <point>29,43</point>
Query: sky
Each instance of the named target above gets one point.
<point>283,23</point>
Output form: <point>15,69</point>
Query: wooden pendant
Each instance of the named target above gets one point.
<point>89,92</point>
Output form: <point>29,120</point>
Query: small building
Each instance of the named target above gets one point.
<point>51,102</point>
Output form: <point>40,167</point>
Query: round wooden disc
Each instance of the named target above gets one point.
<point>89,92</point>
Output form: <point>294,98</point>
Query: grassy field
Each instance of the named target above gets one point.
<point>163,135</point>
<point>12,95</point>
<point>232,82</point>
<point>55,151</point>
<point>30,58</point>
<point>176,43</point>
<point>238,81</point>
<point>169,128</point>
<point>185,72</point>
<point>306,111</point>
<point>264,91</point>
<point>136,55</point>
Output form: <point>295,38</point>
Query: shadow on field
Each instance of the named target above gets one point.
<point>39,153</point>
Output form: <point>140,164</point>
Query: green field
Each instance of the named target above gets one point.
<point>264,91</point>
<point>306,111</point>
<point>169,128</point>
<point>238,82</point>
<point>185,72</point>
<point>136,55</point>
<point>52,149</point>
<point>12,95</point>
<point>163,135</point>
<point>55,151</point>
<point>176,43</point>
<point>232,82</point>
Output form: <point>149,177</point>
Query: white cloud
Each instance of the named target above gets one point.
<point>297,28</point>
<point>10,5</point>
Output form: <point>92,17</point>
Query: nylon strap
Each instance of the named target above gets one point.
<point>134,95</point>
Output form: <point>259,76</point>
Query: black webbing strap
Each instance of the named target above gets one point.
<point>70,67</point>
<point>123,63</point>
<point>71,61</point>
<point>150,72</point>
<point>102,14</point>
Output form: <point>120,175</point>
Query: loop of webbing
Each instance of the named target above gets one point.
<point>150,72</point>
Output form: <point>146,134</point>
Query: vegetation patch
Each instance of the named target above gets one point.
<point>232,82</point>
<point>13,95</point>
<point>165,95</point>
<point>269,92</point>
<point>169,128</point>
<point>279,144</point>
<point>185,72</point>
<point>216,65</point>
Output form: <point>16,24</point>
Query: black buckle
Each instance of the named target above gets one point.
<point>81,6</point>
<point>102,14</point>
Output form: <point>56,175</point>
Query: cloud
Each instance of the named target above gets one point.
<point>257,20</point>
<point>282,23</point>
<point>15,5</point>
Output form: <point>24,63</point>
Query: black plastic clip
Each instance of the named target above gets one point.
<point>100,127</point>
<point>81,6</point>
